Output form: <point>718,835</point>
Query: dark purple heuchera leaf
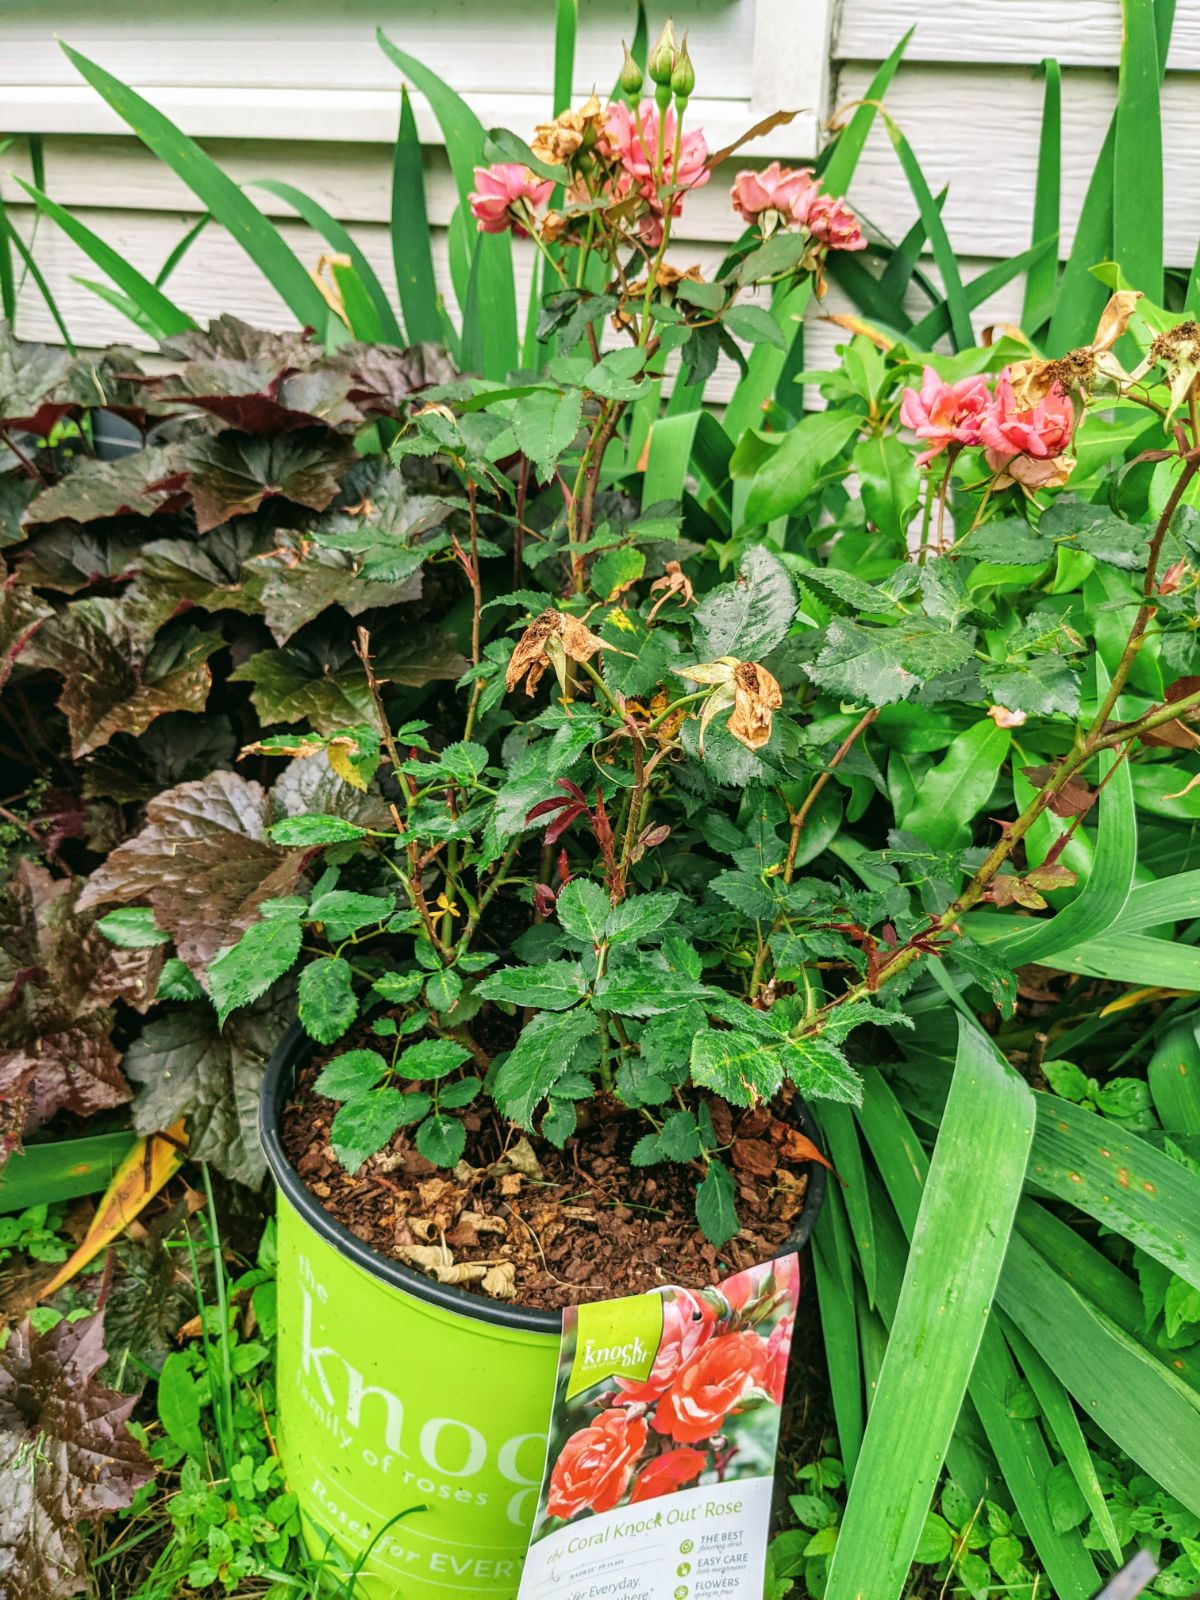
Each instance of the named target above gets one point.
<point>138,485</point>
<point>70,557</point>
<point>175,749</point>
<point>232,473</point>
<point>299,579</point>
<point>176,574</point>
<point>30,374</point>
<point>203,863</point>
<point>324,683</point>
<point>16,491</point>
<point>383,380</point>
<point>187,1065</point>
<point>59,979</point>
<point>309,786</point>
<point>39,385</point>
<point>110,682</point>
<point>21,615</point>
<point>260,382</point>
<point>66,1455</point>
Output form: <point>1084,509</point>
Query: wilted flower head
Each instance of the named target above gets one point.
<point>1177,352</point>
<point>945,413</point>
<point>1034,378</point>
<point>506,196</point>
<point>549,641</point>
<point>1028,446</point>
<point>745,686</point>
<point>559,141</point>
<point>832,223</point>
<point>775,197</point>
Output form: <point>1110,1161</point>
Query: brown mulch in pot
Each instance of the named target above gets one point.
<point>519,1220</point>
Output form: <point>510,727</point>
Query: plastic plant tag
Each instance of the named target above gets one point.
<point>661,1457</point>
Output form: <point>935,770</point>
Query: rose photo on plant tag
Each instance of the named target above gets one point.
<point>674,1389</point>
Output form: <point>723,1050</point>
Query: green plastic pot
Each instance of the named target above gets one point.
<point>413,1416</point>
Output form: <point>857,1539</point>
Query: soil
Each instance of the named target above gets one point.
<point>522,1221</point>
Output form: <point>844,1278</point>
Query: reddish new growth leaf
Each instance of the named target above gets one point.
<point>65,1456</point>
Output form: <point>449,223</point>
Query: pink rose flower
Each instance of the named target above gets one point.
<point>666,1473</point>
<point>687,1324</point>
<point>831,222</point>
<point>779,1348</point>
<point>945,413</point>
<point>1028,447</point>
<point>505,194</point>
<point>710,1385</point>
<point>632,139</point>
<point>595,1465</point>
<point>775,188</point>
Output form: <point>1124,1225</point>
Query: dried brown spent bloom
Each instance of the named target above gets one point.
<point>549,641</point>
<point>1177,352</point>
<point>673,581</point>
<point>747,687</point>
<point>558,142</point>
<point>1033,379</point>
<point>756,697</point>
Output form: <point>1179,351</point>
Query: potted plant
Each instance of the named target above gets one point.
<point>535,1062</point>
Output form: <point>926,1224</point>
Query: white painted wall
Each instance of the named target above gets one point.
<point>298,89</point>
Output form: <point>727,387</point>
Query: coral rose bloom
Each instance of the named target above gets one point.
<point>830,221</point>
<point>775,188</point>
<point>945,413</point>
<point>666,1473</point>
<point>1028,445</point>
<point>596,1464</point>
<point>711,1385</point>
<point>687,1324</point>
<point>501,187</point>
<point>780,1277</point>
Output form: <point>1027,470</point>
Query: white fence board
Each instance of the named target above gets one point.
<point>1013,32</point>
<point>977,129</point>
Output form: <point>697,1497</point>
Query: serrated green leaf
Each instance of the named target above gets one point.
<point>328,1004</point>
<point>551,986</point>
<point>365,1124</point>
<point>305,831</point>
<point>716,1205</point>
<point>876,666</point>
<point>545,424</point>
<point>538,1060</point>
<point>640,916</point>
<point>644,991</point>
<point>582,909</point>
<point>738,1066</point>
<point>746,619</point>
<point>132,928</point>
<point>248,969</point>
<point>820,1071</point>
<point>441,1140</point>
<point>350,1074</point>
<point>430,1059</point>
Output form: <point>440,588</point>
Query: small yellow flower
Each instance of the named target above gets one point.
<point>451,906</point>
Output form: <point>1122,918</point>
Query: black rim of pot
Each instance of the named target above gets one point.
<point>292,1051</point>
